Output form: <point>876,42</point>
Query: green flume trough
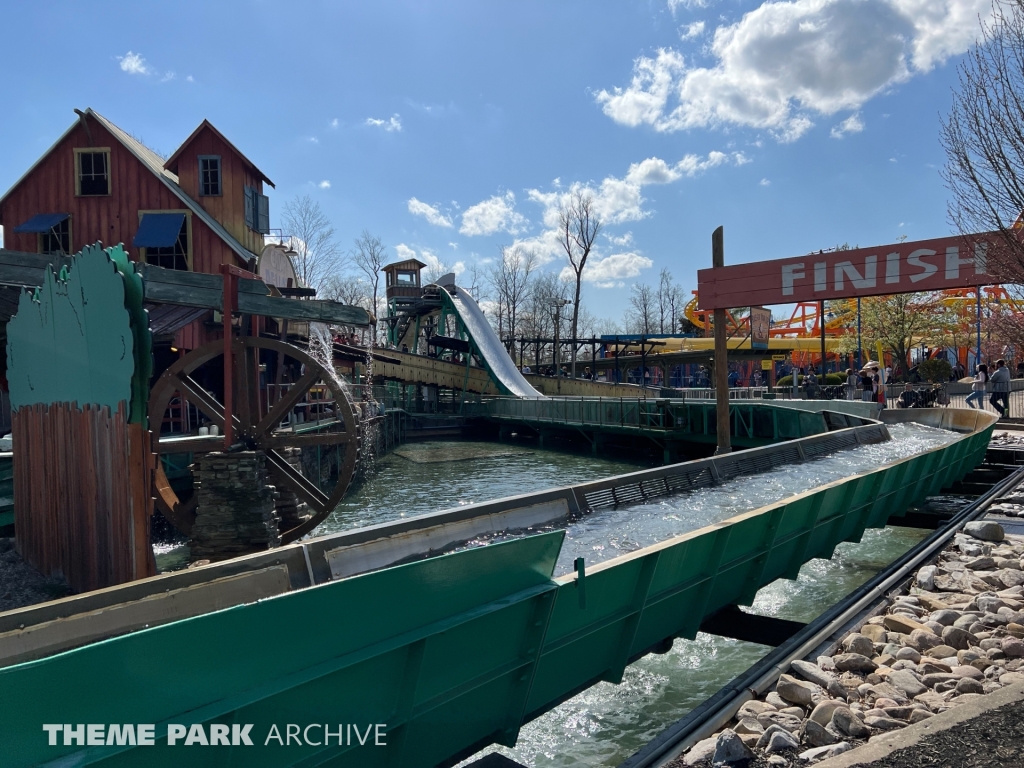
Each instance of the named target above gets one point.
<point>450,653</point>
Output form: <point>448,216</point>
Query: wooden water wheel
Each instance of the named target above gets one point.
<point>263,419</point>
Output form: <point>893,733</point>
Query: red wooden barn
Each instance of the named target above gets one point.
<point>202,207</point>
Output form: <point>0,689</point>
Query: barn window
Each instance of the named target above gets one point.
<point>52,231</point>
<point>164,238</point>
<point>92,172</point>
<point>57,239</point>
<point>209,176</point>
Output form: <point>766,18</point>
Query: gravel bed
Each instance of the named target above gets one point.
<point>957,635</point>
<point>21,584</point>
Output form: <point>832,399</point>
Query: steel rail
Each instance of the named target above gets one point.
<point>722,706</point>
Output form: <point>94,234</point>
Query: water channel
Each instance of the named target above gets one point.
<point>605,724</point>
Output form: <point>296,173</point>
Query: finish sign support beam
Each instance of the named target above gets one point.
<point>721,353</point>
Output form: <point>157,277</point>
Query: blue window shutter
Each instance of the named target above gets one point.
<point>250,208</point>
<point>263,213</point>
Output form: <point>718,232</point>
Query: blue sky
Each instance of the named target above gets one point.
<point>449,129</point>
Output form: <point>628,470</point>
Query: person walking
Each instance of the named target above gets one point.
<point>852,384</point>
<point>978,387</point>
<point>1000,379</point>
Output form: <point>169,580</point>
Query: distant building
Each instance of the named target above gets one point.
<point>201,208</point>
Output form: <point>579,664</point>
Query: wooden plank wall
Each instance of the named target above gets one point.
<point>229,207</point>
<point>83,494</point>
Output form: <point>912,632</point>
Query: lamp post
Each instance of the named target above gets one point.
<point>558,304</point>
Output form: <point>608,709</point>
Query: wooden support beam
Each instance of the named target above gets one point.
<point>194,289</point>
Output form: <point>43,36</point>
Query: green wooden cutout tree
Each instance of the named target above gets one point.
<point>82,337</point>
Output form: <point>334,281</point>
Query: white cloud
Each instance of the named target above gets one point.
<point>325,184</point>
<point>134,64</point>
<point>852,124</point>
<point>189,79</point>
<point>691,31</point>
<point>168,75</point>
<point>606,272</point>
<point>765,183</point>
<point>622,241</point>
<point>334,123</point>
<point>428,257</point>
<point>394,123</point>
<point>429,212</point>
<point>404,252</point>
<point>645,98</point>
<point>496,214</point>
<point>786,61</point>
<point>675,5</point>
<point>312,139</point>
<point>616,200</point>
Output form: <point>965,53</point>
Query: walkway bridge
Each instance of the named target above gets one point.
<point>411,368</point>
<point>451,653</point>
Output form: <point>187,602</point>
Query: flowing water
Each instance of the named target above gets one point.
<point>605,724</point>
<point>430,476</point>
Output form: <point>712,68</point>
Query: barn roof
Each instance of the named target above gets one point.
<point>172,161</point>
<point>407,264</point>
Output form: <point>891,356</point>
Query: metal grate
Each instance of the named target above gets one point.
<point>727,467</point>
<point>830,445</point>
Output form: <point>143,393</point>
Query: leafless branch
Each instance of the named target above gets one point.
<point>983,136</point>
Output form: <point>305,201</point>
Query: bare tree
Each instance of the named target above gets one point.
<point>539,319</point>
<point>316,253</point>
<point>369,255</point>
<point>669,300</point>
<point>578,225</point>
<point>476,282</point>
<point>983,136</point>
<point>348,289</point>
<point>643,306</point>
<point>436,271</point>
<point>588,323</point>
<point>676,305</point>
<point>510,279</point>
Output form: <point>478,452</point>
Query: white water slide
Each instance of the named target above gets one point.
<point>497,359</point>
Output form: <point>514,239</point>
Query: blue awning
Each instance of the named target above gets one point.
<point>158,230</point>
<point>42,222</point>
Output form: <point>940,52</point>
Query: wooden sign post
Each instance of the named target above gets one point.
<point>721,353</point>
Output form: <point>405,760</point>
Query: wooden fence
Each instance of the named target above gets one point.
<point>83,493</point>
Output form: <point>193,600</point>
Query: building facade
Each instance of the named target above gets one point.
<point>201,208</point>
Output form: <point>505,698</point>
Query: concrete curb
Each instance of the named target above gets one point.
<point>884,744</point>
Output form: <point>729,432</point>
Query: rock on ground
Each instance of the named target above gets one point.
<point>21,584</point>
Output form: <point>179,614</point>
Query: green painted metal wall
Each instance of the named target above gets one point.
<point>451,653</point>
<point>752,424</point>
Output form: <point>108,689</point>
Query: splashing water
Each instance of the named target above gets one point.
<point>321,349</point>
